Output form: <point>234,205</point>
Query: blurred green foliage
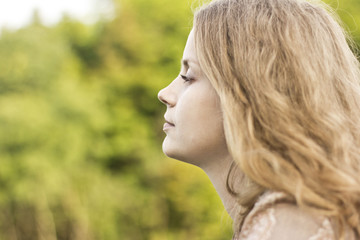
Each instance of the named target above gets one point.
<point>80,124</point>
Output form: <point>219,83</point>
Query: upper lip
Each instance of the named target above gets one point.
<point>169,122</point>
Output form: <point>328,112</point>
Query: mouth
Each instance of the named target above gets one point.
<point>168,125</point>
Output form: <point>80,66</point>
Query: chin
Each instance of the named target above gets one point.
<point>183,156</point>
<point>171,151</point>
<point>188,153</point>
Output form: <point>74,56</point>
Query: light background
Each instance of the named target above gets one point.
<point>17,13</point>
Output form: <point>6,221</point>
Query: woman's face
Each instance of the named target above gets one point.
<point>194,126</point>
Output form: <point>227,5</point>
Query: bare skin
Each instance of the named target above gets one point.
<point>194,124</point>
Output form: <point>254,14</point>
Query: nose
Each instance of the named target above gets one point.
<point>167,97</point>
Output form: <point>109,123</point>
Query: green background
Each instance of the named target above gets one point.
<point>81,129</point>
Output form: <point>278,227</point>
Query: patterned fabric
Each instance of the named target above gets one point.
<point>261,226</point>
<point>263,222</point>
<point>325,232</point>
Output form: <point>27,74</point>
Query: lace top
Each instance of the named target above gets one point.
<point>274,218</point>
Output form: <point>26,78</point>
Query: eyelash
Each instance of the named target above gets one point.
<point>185,78</point>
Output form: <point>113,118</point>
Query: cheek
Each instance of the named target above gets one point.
<point>198,132</point>
<point>198,118</point>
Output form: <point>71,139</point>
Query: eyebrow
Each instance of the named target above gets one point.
<point>185,62</point>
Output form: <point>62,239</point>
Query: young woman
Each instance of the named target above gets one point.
<point>267,103</point>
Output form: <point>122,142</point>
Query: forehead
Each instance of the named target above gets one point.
<point>189,55</point>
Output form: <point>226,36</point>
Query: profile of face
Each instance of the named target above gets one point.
<point>194,125</point>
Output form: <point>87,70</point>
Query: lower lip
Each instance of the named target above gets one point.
<point>167,126</point>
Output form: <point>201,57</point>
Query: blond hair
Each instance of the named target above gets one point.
<point>289,89</point>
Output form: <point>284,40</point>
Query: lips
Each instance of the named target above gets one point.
<point>168,125</point>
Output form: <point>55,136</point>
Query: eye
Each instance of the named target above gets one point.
<point>185,78</point>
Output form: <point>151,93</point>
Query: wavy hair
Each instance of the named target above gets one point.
<point>289,86</point>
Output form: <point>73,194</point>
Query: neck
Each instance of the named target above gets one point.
<point>217,173</point>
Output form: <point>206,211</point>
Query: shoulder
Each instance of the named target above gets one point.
<point>275,217</point>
